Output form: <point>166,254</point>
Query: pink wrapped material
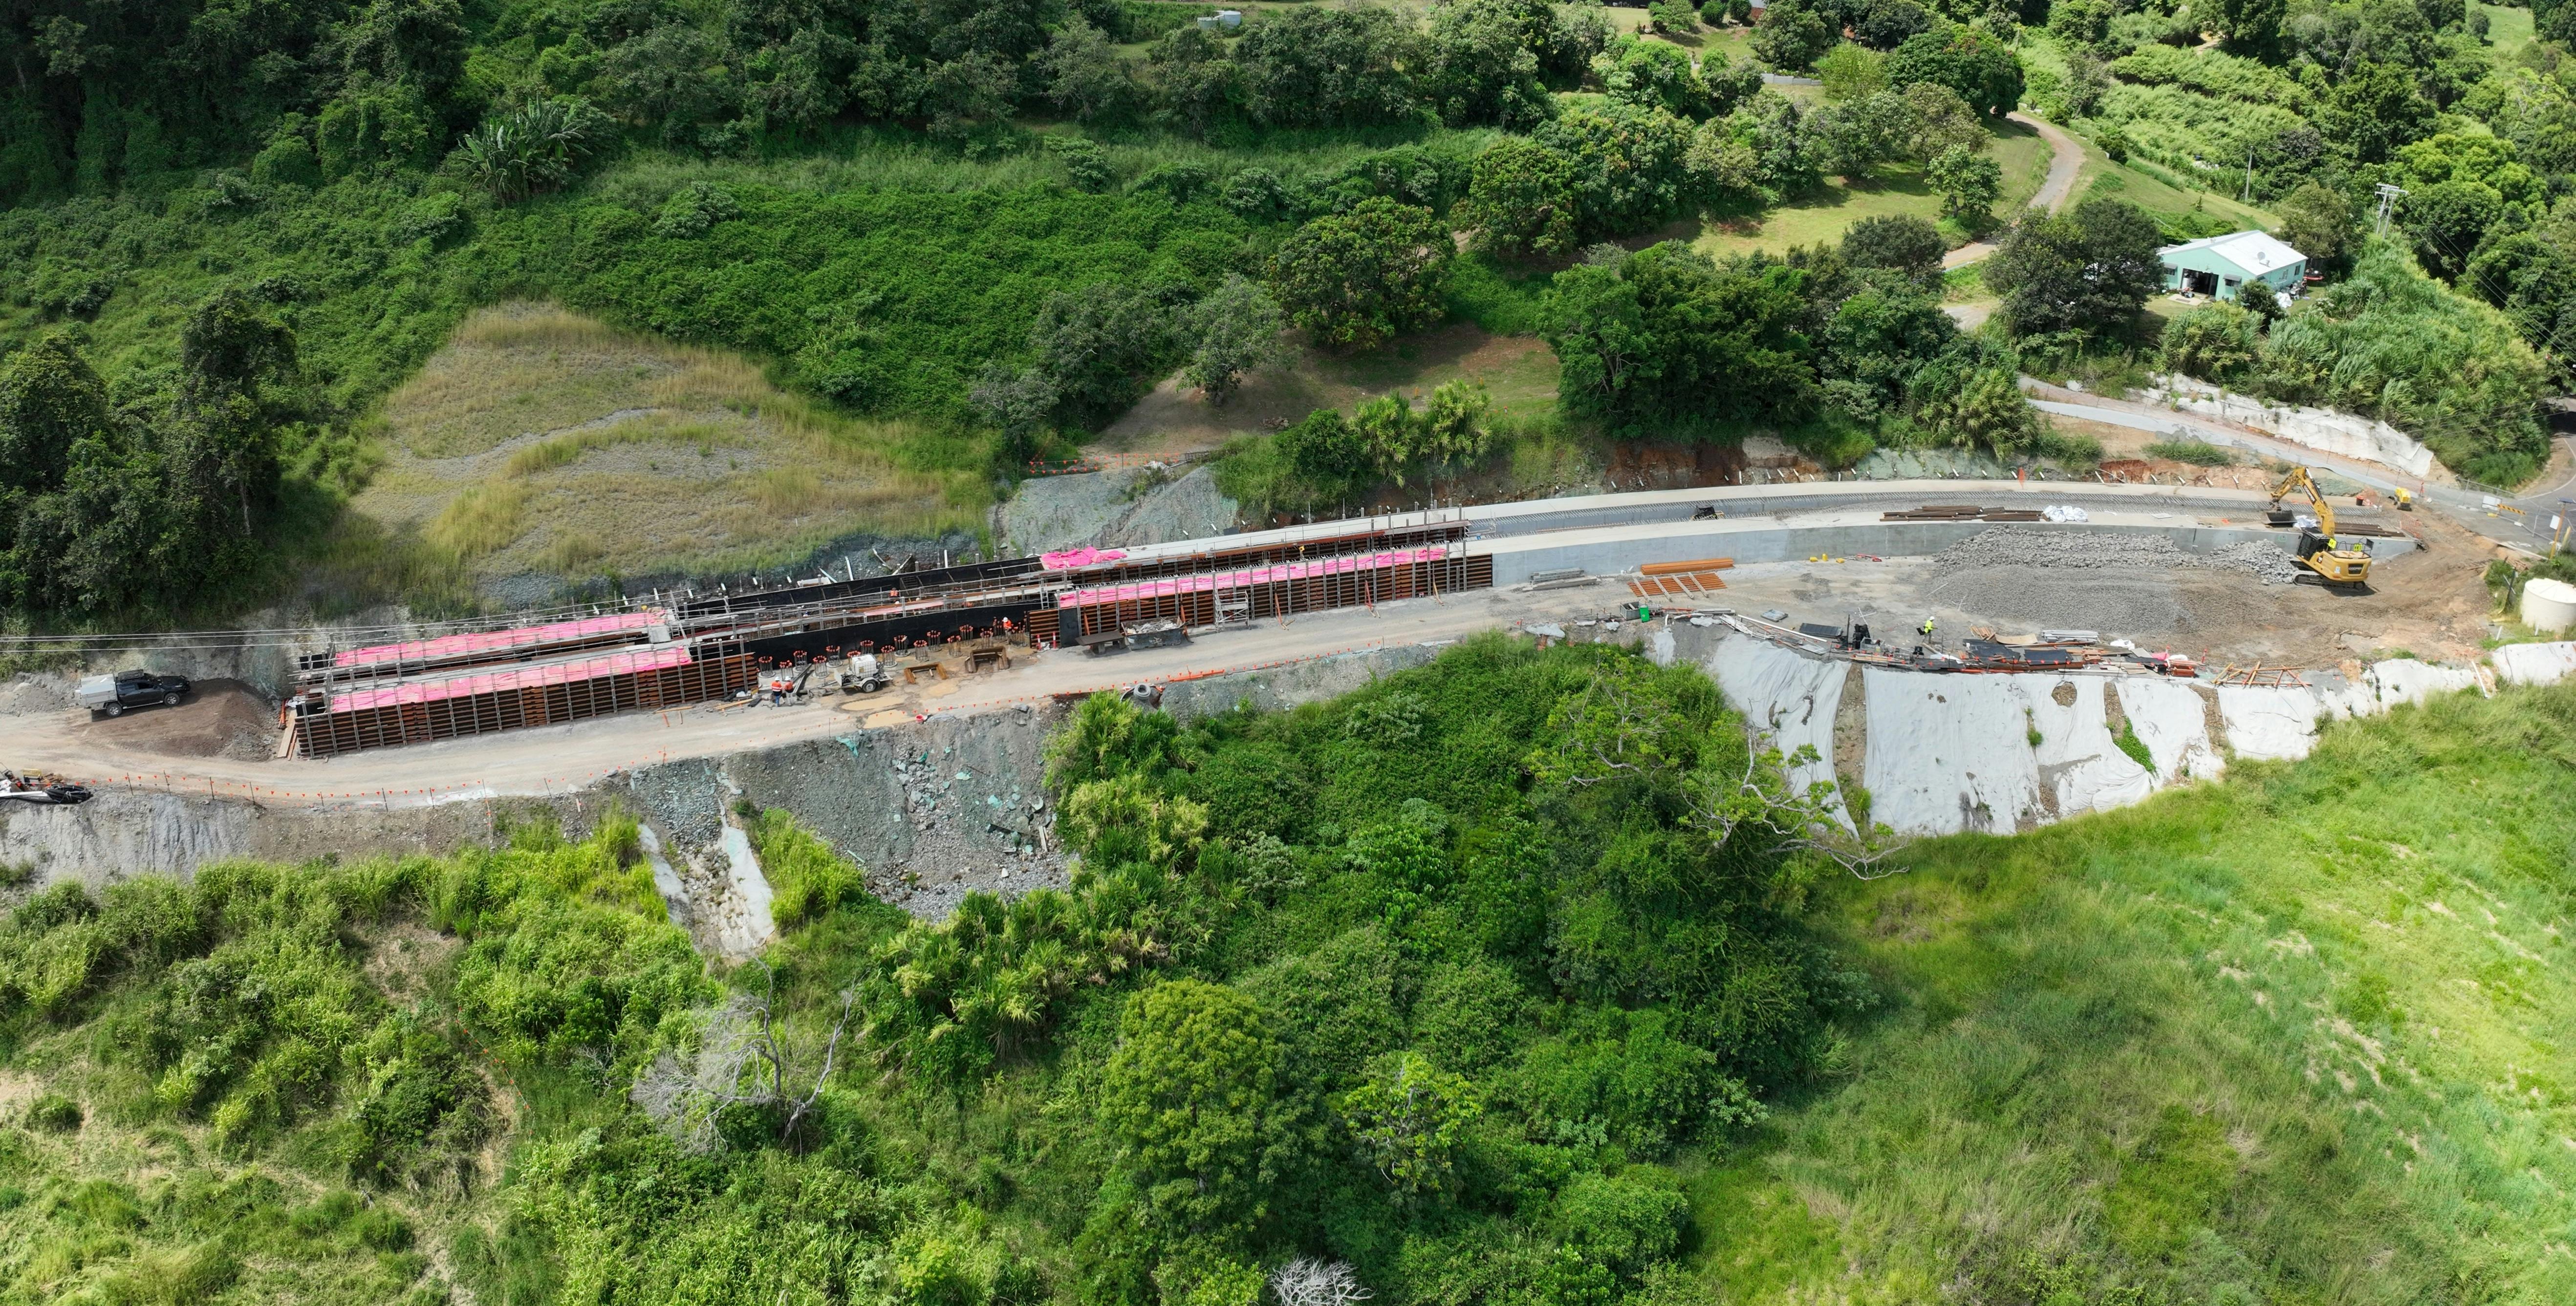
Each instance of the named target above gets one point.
<point>1082,557</point>
<point>551,673</point>
<point>485,641</point>
<point>1248,577</point>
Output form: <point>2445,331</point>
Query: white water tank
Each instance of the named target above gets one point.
<point>2548,605</point>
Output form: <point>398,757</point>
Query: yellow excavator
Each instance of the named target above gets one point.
<point>2319,551</point>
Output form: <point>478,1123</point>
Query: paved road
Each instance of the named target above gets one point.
<point>2066,158</point>
<point>2489,516</point>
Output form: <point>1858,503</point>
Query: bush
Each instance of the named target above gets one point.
<point>53,1113</point>
<point>2199,453</point>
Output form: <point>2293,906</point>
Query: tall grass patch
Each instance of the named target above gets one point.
<point>2289,1037</point>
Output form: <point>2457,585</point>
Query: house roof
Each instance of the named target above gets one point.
<point>2251,251</point>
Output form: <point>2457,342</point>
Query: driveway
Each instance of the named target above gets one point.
<point>2065,159</point>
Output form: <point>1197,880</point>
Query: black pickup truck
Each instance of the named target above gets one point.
<point>113,694</point>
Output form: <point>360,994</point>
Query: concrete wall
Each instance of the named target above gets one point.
<point>2345,435</point>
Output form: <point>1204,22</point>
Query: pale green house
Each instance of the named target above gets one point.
<point>2217,265</point>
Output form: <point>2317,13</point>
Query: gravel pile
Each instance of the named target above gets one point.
<point>2265,561</point>
<point>2008,546</point>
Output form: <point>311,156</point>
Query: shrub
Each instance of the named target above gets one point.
<point>54,1114</point>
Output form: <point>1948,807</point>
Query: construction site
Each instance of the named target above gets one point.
<point>1919,636</point>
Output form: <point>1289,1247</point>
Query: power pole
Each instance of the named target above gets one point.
<point>2387,195</point>
<point>2248,196</point>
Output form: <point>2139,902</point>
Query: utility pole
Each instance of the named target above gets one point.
<point>2248,196</point>
<point>2387,195</point>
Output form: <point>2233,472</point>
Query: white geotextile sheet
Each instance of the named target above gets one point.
<point>2172,720</point>
<point>2276,723</point>
<point>1947,753</point>
<point>2080,764</point>
<point>2535,664</point>
<point>1788,696</point>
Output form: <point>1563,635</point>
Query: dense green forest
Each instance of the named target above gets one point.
<point>1588,1013</point>
<point>1006,223</point>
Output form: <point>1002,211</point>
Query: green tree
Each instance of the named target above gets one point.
<point>1354,280</point>
<point>2374,109</point>
<point>1409,1121</point>
<point>1631,166</point>
<point>1968,184</point>
<point>1234,330</point>
<point>1794,34</point>
<point>1653,75</point>
<point>2215,342</point>
<point>2318,221</point>
<point>1981,68</point>
<point>236,368</point>
<point>1887,24</point>
<point>1850,71</point>
<point>2447,220</point>
<point>1902,244</point>
<point>1085,75</point>
<point>1521,202</point>
<point>1187,1098</point>
<point>1328,453</point>
<point>1977,406</point>
<point>2247,27</point>
<point>1193,81</point>
<point>1941,121</point>
<point>50,398</point>
<point>2087,270</point>
<point>1314,67</point>
<point>1670,337</point>
<point>1484,62</point>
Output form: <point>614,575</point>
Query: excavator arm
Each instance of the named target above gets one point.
<point>2299,480</point>
<point>2320,551</point>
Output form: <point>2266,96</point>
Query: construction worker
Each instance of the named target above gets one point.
<point>1926,628</point>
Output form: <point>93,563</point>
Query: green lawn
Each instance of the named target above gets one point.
<point>2508,30</point>
<point>1822,216</point>
<point>2301,1036</point>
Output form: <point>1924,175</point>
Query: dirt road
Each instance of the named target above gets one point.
<point>2066,158</point>
<point>556,758</point>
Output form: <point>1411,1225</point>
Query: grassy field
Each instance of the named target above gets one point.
<point>2508,30</point>
<point>2296,1037</point>
<point>542,442</point>
<point>1822,217</point>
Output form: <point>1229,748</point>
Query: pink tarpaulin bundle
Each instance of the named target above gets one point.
<point>552,673</point>
<point>1084,557</point>
<point>485,641</point>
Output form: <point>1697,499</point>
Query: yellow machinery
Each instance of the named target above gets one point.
<point>2319,551</point>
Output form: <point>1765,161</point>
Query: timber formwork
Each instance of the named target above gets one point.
<point>323,734</point>
<point>728,642</point>
<point>1361,569</point>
